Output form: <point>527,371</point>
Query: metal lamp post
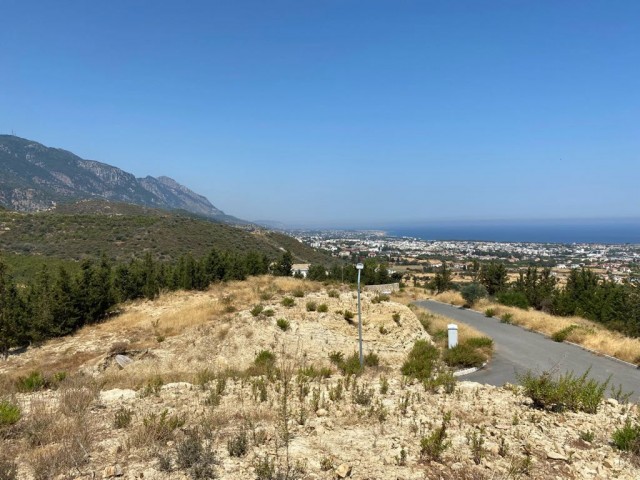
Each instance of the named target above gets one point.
<point>360,266</point>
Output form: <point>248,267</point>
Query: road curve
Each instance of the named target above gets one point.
<point>518,350</point>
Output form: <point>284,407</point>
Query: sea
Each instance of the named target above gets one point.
<point>567,232</point>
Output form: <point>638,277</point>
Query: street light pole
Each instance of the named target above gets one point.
<point>360,266</point>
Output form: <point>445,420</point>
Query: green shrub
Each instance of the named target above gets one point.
<point>362,395</point>
<point>371,359</point>
<point>298,293</point>
<point>348,366</point>
<point>159,428</point>
<point>587,436</point>
<point>288,302</point>
<point>336,357</point>
<point>268,312</point>
<point>479,342</point>
<point>440,335</point>
<point>506,318</point>
<point>425,320</point>
<point>380,297</point>
<point>323,308</point>
<point>476,442</point>
<point>384,385</point>
<point>122,418</point>
<point>264,468</point>
<point>264,363</point>
<point>197,459</point>
<point>32,382</point>
<point>561,335</point>
<point>420,360</point>
<point>9,413</point>
<point>153,386</point>
<point>333,294</point>
<point>283,324</point>
<point>396,317</point>
<point>490,312</point>
<point>566,391</point>
<point>433,446</point>
<point>627,438</point>
<point>238,445</point>
<point>473,292</point>
<point>444,379</point>
<point>312,372</point>
<point>257,310</point>
<point>312,306</point>
<point>266,296</point>
<point>348,315</point>
<point>463,355</point>
<point>513,298</point>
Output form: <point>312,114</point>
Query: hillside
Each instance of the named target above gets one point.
<point>201,398</point>
<point>35,178</point>
<point>122,231</point>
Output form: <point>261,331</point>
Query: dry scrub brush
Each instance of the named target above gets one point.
<point>588,334</point>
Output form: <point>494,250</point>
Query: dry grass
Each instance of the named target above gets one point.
<point>451,297</point>
<point>465,332</point>
<point>591,335</point>
<point>76,395</point>
<point>136,379</point>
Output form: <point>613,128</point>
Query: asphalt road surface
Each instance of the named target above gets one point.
<point>518,350</point>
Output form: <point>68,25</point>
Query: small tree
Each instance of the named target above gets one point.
<point>283,267</point>
<point>472,293</point>
<point>442,281</point>
<point>494,277</point>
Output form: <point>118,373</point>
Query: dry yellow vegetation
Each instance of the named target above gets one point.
<point>590,334</point>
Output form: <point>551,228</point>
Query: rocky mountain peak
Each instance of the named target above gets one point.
<point>35,177</point>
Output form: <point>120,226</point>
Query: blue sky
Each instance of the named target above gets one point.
<point>338,111</point>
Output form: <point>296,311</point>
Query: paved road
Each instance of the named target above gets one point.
<point>519,350</point>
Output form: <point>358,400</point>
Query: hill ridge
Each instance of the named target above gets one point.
<point>36,178</point>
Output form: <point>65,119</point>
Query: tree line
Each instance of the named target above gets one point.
<point>58,303</point>
<point>585,294</point>
<point>373,273</point>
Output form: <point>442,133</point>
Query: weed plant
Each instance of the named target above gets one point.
<point>9,413</point>
<point>562,335</point>
<point>122,418</point>
<point>463,355</point>
<point>627,438</point>
<point>288,302</point>
<point>420,361</point>
<point>433,446</point>
<point>564,392</point>
<point>283,324</point>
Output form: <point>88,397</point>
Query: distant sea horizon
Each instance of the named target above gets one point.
<point>556,231</point>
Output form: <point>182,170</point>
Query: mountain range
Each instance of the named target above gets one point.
<point>34,178</point>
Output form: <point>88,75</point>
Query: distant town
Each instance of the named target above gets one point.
<point>618,263</point>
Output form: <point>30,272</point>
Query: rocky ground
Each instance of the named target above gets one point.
<point>187,407</point>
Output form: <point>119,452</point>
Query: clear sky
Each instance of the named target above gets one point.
<point>341,111</point>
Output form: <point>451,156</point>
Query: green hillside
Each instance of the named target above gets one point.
<point>122,231</point>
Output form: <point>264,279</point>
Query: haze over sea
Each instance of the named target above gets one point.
<point>618,231</point>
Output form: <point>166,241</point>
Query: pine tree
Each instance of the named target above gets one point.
<point>12,332</point>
